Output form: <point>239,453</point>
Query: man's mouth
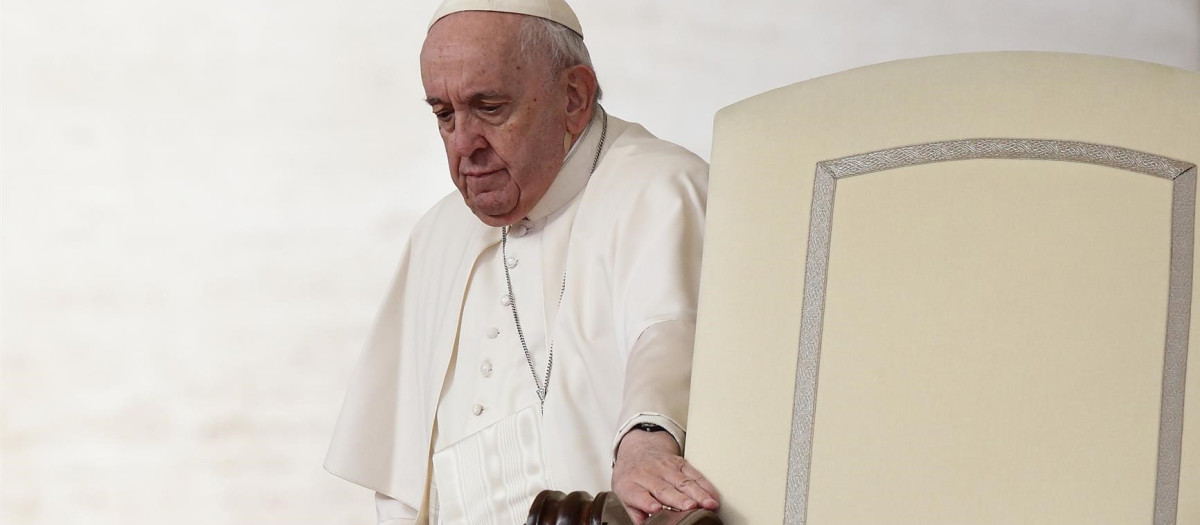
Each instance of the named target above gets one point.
<point>480,173</point>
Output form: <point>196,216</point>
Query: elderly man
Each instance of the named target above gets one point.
<point>543,317</point>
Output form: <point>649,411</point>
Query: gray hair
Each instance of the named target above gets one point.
<point>564,48</point>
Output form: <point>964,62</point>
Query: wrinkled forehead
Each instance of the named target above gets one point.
<point>490,34</point>
<point>472,53</point>
<point>479,50</point>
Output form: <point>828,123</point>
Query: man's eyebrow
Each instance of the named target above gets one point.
<point>486,95</point>
<point>482,95</point>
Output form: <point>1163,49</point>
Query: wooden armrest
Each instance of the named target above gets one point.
<point>552,507</point>
<point>684,517</point>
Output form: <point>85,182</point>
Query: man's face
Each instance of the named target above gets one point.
<point>501,117</point>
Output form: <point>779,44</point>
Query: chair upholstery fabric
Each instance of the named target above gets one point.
<point>998,310</point>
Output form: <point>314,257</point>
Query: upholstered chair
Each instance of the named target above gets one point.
<point>954,290</point>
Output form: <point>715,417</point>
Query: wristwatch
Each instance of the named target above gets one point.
<point>648,427</point>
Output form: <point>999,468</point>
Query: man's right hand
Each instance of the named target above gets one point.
<point>649,473</point>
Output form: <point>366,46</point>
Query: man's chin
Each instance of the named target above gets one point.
<point>497,219</point>
<point>493,212</point>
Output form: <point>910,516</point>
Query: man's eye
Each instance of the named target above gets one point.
<point>443,116</point>
<point>491,110</point>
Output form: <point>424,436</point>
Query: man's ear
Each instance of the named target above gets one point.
<point>581,91</point>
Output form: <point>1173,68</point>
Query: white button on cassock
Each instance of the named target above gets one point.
<point>477,409</point>
<point>486,369</point>
<point>505,299</point>
<point>493,332</point>
<point>518,230</point>
<point>511,262</point>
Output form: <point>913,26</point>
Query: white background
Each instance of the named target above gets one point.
<point>203,202</point>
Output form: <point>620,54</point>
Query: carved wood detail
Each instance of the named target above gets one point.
<point>552,507</point>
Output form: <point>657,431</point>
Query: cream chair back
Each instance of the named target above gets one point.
<point>954,290</point>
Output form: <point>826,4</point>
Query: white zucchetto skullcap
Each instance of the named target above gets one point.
<point>553,10</point>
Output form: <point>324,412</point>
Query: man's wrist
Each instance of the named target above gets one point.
<point>637,439</point>
<point>669,426</point>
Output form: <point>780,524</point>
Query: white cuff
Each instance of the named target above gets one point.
<point>667,423</point>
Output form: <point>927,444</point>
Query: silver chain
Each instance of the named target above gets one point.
<point>543,387</point>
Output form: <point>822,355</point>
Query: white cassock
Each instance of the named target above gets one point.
<point>626,242</point>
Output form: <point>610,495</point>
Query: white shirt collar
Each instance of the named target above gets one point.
<point>574,175</point>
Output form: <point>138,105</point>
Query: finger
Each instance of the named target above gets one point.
<point>711,498</point>
<point>636,515</point>
<point>689,485</point>
<point>670,496</point>
<point>638,498</point>
<point>695,492</point>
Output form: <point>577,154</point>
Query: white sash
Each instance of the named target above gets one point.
<point>492,476</point>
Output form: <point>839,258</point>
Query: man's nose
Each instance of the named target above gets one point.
<point>466,137</point>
